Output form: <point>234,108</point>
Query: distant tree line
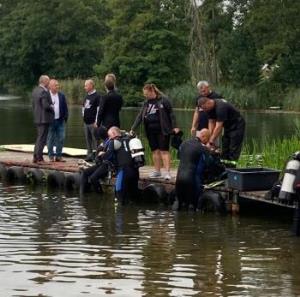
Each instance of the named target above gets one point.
<point>246,43</point>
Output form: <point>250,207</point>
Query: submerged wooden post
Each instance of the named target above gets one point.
<point>235,207</point>
<point>296,220</point>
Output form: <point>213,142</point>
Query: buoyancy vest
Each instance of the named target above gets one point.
<point>122,151</point>
<point>193,155</point>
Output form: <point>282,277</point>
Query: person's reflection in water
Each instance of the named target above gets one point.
<point>209,246</point>
<point>50,211</point>
<point>158,251</point>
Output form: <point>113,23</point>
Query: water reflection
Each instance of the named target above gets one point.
<point>8,97</point>
<point>16,117</point>
<point>53,244</point>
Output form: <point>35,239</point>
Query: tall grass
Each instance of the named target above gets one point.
<point>259,97</point>
<point>183,96</point>
<point>148,153</point>
<point>272,153</point>
<point>291,100</point>
<point>74,89</point>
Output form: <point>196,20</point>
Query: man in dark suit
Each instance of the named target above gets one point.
<point>109,109</point>
<point>56,133</point>
<point>43,114</point>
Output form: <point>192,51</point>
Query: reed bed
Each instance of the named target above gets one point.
<point>74,89</point>
<point>271,153</point>
<point>183,96</point>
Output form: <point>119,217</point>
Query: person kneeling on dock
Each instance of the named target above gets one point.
<point>198,165</point>
<point>125,155</point>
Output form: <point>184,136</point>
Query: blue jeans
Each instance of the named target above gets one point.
<point>56,137</point>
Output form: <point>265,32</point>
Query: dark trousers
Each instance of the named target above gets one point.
<point>41,140</point>
<point>126,187</point>
<point>91,143</point>
<point>91,176</point>
<point>232,142</point>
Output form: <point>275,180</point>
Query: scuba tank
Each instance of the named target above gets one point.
<point>137,152</point>
<point>287,190</point>
<point>133,149</point>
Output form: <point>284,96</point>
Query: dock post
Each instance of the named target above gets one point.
<point>235,207</point>
<point>296,220</point>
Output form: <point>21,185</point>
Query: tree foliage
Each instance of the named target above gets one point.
<point>147,43</point>
<point>163,41</point>
<point>61,38</point>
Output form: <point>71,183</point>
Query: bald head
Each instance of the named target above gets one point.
<point>53,86</point>
<point>203,135</point>
<point>44,80</point>
<point>113,132</point>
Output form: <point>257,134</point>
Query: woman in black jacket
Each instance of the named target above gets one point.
<point>159,122</point>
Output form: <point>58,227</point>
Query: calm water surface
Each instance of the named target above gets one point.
<point>58,244</point>
<point>16,124</point>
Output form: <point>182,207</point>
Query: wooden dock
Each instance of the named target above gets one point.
<point>24,159</point>
<point>236,201</point>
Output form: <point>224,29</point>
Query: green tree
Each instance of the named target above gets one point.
<point>147,43</point>
<point>238,59</point>
<point>275,28</point>
<point>61,38</point>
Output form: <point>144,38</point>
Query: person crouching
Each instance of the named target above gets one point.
<point>114,152</point>
<point>195,158</point>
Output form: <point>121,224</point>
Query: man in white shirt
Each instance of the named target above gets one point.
<point>56,133</point>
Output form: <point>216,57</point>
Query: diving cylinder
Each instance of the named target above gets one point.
<point>137,152</point>
<point>287,188</point>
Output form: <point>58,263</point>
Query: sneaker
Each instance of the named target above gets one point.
<point>167,176</point>
<point>60,159</point>
<point>155,174</point>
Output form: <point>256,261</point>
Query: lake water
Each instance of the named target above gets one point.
<point>58,244</point>
<point>17,127</point>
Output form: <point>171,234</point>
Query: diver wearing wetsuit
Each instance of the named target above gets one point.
<point>198,165</point>
<point>115,153</point>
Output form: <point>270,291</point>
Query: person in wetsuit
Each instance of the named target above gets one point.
<point>198,165</point>
<point>115,152</point>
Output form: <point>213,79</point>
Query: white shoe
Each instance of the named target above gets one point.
<point>167,176</point>
<point>155,174</point>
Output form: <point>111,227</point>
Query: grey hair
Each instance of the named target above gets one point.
<point>90,81</point>
<point>202,83</point>
<point>110,76</point>
<point>43,79</point>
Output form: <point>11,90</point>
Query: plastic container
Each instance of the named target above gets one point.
<point>252,179</point>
